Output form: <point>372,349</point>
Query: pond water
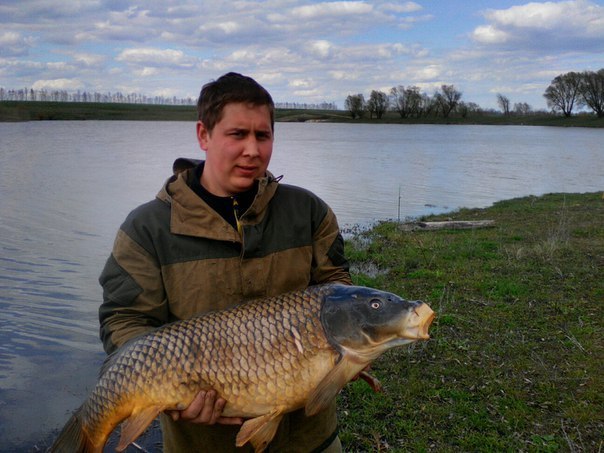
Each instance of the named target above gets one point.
<point>66,187</point>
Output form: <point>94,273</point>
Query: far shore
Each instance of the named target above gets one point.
<point>18,111</point>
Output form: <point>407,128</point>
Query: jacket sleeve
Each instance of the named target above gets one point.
<point>329,261</point>
<point>134,300</point>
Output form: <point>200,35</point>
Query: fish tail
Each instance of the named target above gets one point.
<point>73,438</point>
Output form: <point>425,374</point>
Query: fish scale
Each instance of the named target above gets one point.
<point>265,358</point>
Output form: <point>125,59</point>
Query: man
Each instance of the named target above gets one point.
<point>218,233</point>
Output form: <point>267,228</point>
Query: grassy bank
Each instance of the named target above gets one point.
<point>38,111</point>
<point>41,111</point>
<point>516,358</point>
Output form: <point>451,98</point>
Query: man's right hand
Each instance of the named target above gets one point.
<point>205,409</point>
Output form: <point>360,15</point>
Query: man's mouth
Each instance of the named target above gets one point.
<point>245,170</point>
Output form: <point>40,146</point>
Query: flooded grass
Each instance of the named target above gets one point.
<point>515,359</point>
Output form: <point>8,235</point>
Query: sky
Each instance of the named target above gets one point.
<point>300,50</point>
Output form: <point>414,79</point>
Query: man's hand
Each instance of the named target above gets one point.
<point>205,409</point>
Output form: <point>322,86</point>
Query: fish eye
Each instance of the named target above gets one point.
<point>376,304</point>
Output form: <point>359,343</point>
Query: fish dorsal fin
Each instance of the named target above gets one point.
<point>260,430</point>
<point>134,425</point>
<point>332,383</point>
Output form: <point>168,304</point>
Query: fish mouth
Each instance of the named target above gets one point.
<point>419,322</point>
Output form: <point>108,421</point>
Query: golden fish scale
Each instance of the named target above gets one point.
<point>259,356</point>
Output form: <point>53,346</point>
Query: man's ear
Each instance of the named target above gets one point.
<point>202,135</point>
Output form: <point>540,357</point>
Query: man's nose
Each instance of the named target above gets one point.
<point>251,147</point>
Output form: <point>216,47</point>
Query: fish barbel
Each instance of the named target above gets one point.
<point>266,358</point>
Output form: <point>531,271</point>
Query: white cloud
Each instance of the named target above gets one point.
<point>566,24</point>
<point>427,73</point>
<point>228,27</point>
<point>343,75</point>
<point>166,92</point>
<point>312,94</point>
<point>488,34</point>
<point>243,56</point>
<point>9,38</point>
<point>300,83</point>
<point>88,59</point>
<point>154,57</point>
<point>547,16</point>
<point>58,84</point>
<point>148,72</point>
<point>14,44</point>
<point>331,9</point>
<point>406,7</point>
<point>321,48</point>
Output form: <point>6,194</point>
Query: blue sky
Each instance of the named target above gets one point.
<point>303,51</point>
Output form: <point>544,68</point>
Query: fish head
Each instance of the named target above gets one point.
<point>368,321</point>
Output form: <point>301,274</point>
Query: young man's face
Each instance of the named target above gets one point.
<point>238,149</point>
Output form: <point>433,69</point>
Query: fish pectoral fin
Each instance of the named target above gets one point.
<point>260,430</point>
<point>134,425</point>
<point>373,382</point>
<point>332,383</point>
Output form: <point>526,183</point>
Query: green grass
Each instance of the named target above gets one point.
<point>36,111</point>
<point>516,358</point>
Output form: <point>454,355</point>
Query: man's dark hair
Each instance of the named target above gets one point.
<point>227,89</point>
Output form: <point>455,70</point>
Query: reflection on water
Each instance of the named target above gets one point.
<point>66,187</point>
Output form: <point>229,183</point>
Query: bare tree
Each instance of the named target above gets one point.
<point>466,109</point>
<point>504,103</point>
<point>522,108</point>
<point>406,101</point>
<point>591,89</point>
<point>447,99</point>
<point>563,93</point>
<point>429,105</point>
<point>414,100</point>
<point>473,108</point>
<point>399,100</point>
<point>355,104</point>
<point>463,109</point>
<point>378,104</point>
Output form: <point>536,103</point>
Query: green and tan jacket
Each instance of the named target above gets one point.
<point>175,257</point>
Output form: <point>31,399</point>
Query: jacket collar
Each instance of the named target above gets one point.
<point>192,216</point>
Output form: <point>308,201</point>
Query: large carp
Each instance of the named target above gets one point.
<point>265,358</point>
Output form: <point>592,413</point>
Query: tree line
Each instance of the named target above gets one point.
<point>565,92</point>
<point>44,95</point>
<point>410,102</point>
<point>30,94</point>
